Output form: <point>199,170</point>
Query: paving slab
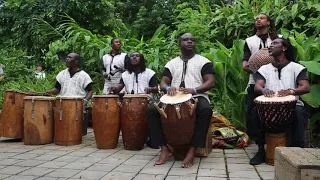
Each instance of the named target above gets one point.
<point>86,161</point>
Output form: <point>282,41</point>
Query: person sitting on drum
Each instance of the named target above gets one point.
<point>189,73</point>
<point>282,78</point>
<point>137,79</point>
<point>72,81</point>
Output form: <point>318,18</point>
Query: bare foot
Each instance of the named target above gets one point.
<point>188,161</point>
<point>165,154</point>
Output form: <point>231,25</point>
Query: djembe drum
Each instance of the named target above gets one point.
<point>106,120</point>
<point>259,59</point>
<point>276,114</point>
<point>38,120</point>
<point>134,125</point>
<point>178,117</point>
<point>12,114</point>
<point>68,120</point>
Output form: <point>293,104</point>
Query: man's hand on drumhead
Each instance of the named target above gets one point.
<point>268,93</point>
<point>112,90</point>
<point>171,91</point>
<point>284,92</point>
<point>47,93</point>
<point>187,90</point>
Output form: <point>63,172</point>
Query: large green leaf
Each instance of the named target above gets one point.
<point>313,98</point>
<point>313,121</point>
<point>312,66</point>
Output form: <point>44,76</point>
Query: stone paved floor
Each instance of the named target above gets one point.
<point>85,161</point>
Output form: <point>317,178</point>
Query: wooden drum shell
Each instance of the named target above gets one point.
<point>68,121</point>
<point>12,114</point>
<point>38,120</point>
<point>183,129</point>
<point>134,125</point>
<point>273,141</point>
<point>106,121</point>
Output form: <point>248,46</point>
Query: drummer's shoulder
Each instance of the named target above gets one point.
<point>201,58</point>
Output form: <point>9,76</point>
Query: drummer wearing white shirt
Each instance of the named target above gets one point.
<point>282,78</point>
<point>137,79</point>
<point>73,81</point>
<point>113,65</point>
<point>191,74</point>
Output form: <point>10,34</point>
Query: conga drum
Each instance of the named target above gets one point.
<point>38,120</point>
<point>12,114</point>
<point>259,59</point>
<point>68,120</point>
<point>106,120</point>
<point>178,117</point>
<point>134,126</point>
<point>276,115</point>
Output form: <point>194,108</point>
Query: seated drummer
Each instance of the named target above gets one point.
<point>72,81</point>
<point>283,77</point>
<point>190,73</point>
<point>137,79</point>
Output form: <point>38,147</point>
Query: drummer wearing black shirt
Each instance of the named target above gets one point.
<point>263,33</point>
<point>192,74</point>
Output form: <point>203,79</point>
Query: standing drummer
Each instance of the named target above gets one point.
<point>190,73</point>
<point>264,32</point>
<point>73,81</point>
<point>282,78</point>
<point>113,65</point>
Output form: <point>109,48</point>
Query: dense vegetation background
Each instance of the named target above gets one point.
<point>35,31</point>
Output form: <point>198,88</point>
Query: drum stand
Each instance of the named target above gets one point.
<point>273,141</point>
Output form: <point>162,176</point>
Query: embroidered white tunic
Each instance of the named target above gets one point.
<point>108,63</point>
<point>193,77</point>
<point>138,83</point>
<point>288,77</point>
<point>75,85</point>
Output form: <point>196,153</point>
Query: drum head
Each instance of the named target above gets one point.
<point>106,96</point>
<point>39,98</point>
<point>21,92</point>
<point>135,96</point>
<point>179,97</point>
<point>69,97</point>
<point>263,99</point>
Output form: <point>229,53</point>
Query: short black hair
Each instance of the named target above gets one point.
<point>112,40</point>
<point>39,65</point>
<point>290,52</point>
<point>142,64</point>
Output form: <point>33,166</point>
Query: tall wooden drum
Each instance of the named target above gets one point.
<point>68,120</point>
<point>178,117</point>
<point>106,120</point>
<point>134,126</point>
<point>38,120</point>
<point>12,114</point>
<point>276,114</point>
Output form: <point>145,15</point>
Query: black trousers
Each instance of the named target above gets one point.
<point>251,120</point>
<point>203,116</point>
<point>296,130</point>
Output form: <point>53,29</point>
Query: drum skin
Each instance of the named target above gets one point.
<point>106,121</point>
<point>134,126</point>
<point>68,124</point>
<point>38,120</point>
<point>183,129</point>
<point>12,114</point>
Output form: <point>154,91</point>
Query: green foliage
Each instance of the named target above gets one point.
<point>35,31</point>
